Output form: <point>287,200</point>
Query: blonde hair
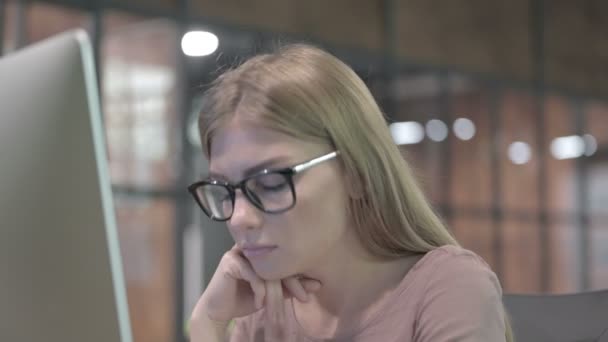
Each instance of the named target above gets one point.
<point>309,94</point>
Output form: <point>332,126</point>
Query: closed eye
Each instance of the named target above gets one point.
<point>272,182</point>
<point>273,188</point>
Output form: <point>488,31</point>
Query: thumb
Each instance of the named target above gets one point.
<point>275,312</point>
<point>311,285</point>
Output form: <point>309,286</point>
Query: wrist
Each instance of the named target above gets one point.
<point>203,327</point>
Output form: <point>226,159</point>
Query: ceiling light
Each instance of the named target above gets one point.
<point>199,43</point>
<point>408,132</point>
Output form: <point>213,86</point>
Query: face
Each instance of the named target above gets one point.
<point>307,233</point>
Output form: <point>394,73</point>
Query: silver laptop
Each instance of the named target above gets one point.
<point>61,276</point>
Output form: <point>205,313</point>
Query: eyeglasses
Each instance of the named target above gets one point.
<point>271,190</point>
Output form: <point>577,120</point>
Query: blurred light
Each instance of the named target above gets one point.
<point>408,132</point>
<point>568,147</point>
<point>436,130</point>
<point>193,130</point>
<point>199,43</point>
<point>590,144</point>
<point>519,152</point>
<point>464,129</point>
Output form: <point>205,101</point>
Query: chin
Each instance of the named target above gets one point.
<point>270,273</point>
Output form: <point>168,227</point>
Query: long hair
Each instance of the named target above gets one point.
<point>309,94</point>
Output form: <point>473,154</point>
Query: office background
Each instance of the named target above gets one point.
<point>505,106</point>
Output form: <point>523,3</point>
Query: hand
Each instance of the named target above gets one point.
<point>235,290</point>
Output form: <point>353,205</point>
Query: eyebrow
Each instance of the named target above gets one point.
<point>266,164</point>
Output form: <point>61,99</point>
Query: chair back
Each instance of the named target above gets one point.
<point>579,317</point>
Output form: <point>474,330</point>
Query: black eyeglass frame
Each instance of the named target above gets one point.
<point>287,172</point>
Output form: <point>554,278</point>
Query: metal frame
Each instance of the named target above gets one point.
<point>357,57</point>
<point>183,208</point>
<point>445,161</point>
<point>496,174</point>
<point>19,32</point>
<point>96,35</point>
<point>2,23</point>
<point>582,201</point>
<point>537,48</point>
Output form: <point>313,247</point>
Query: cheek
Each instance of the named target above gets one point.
<point>316,224</point>
<point>314,228</point>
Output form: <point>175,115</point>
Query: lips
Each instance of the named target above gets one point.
<point>257,251</point>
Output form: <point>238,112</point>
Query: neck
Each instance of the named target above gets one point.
<point>354,284</point>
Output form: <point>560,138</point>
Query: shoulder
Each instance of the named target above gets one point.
<point>451,264</point>
<point>461,298</point>
<point>451,252</point>
<point>454,277</point>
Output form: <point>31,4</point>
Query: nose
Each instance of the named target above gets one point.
<point>245,215</point>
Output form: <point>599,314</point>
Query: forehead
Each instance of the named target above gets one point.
<point>239,135</point>
<point>239,146</point>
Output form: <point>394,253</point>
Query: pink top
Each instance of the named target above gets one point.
<point>451,294</point>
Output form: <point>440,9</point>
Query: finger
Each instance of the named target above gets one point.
<point>310,285</point>
<point>274,301</point>
<point>242,270</point>
<point>295,288</point>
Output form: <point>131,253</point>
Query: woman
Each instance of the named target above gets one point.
<point>333,238</point>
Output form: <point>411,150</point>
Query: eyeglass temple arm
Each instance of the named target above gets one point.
<point>311,163</point>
